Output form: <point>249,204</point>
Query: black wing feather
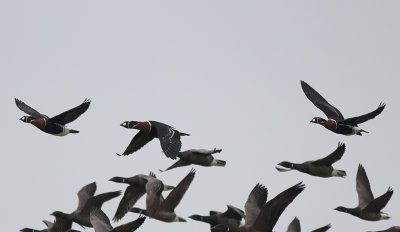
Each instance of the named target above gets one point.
<point>98,201</point>
<point>62,224</point>
<point>272,210</point>
<point>29,110</point>
<point>379,203</point>
<point>138,141</point>
<point>170,141</point>
<point>333,157</point>
<point>320,102</point>
<point>131,196</point>
<point>72,114</point>
<point>323,229</point>
<point>294,226</point>
<point>176,195</point>
<point>363,118</point>
<point>179,163</point>
<point>129,227</point>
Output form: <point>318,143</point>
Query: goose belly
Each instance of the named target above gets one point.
<point>345,130</point>
<point>55,129</point>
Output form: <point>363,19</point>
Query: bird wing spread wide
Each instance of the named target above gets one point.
<point>99,220</point>
<point>170,141</point>
<point>257,198</point>
<point>131,196</point>
<point>379,203</point>
<point>363,118</point>
<point>72,114</point>
<point>320,102</point>
<point>333,157</point>
<point>137,142</point>
<point>176,195</point>
<point>363,188</point>
<point>154,187</point>
<point>179,163</point>
<point>272,210</point>
<point>130,226</point>
<point>85,193</point>
<point>98,201</point>
<point>322,229</point>
<point>29,110</point>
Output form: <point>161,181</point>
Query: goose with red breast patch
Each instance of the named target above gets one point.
<point>170,138</point>
<point>55,125</point>
<point>336,122</point>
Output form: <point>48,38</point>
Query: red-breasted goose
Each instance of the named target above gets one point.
<point>56,124</point>
<point>336,122</point>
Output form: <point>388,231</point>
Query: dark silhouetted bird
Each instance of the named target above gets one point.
<point>391,229</point>
<point>261,216</point>
<point>321,167</point>
<point>32,230</point>
<point>200,157</point>
<point>336,122</point>
<point>101,223</point>
<point>231,217</point>
<point>294,226</point>
<point>166,209</point>
<point>60,224</point>
<point>56,124</point>
<point>369,208</point>
<point>87,201</point>
<point>138,186</point>
<point>170,138</point>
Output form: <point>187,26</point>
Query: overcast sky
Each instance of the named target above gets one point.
<point>226,72</point>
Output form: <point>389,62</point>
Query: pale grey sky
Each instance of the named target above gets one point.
<point>227,72</point>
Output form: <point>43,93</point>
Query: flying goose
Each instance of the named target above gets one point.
<point>294,226</point>
<point>32,230</point>
<point>60,224</point>
<point>138,186</point>
<point>87,200</point>
<point>369,208</point>
<point>170,138</point>
<point>261,216</point>
<point>200,157</point>
<point>232,217</point>
<point>336,122</point>
<point>166,210</point>
<point>46,230</point>
<point>56,124</point>
<point>391,229</point>
<point>101,223</point>
<point>321,167</point>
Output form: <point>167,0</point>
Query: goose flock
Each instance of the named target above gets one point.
<point>259,214</point>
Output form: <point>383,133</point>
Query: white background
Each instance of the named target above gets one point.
<point>227,72</point>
